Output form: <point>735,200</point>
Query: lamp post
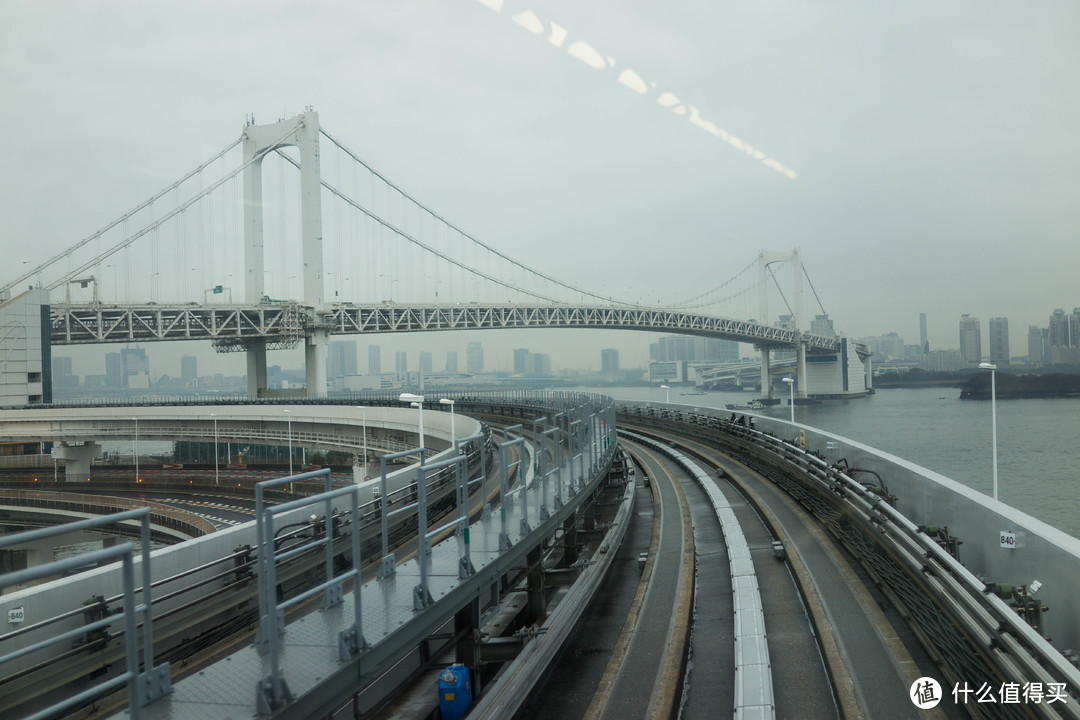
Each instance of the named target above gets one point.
<point>289,416</point>
<point>791,387</point>
<point>135,449</point>
<point>363,409</point>
<point>993,417</point>
<point>667,393</point>
<point>416,401</point>
<point>217,476</point>
<point>453,433</point>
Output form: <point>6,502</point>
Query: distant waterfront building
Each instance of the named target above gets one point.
<point>1064,337</point>
<point>970,340</point>
<point>609,361</point>
<point>942,361</point>
<point>425,362</point>
<point>541,364</point>
<point>451,361</point>
<point>521,361</point>
<point>924,343</point>
<point>374,360</point>
<point>340,359</point>
<point>135,368</point>
<point>999,341</point>
<point>667,371</point>
<point>189,369</point>
<point>822,325</point>
<point>474,358</point>
<point>114,371</point>
<point>685,348</point>
<point>1037,339</point>
<point>401,362</point>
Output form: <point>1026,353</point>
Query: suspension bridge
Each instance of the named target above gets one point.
<point>286,237</point>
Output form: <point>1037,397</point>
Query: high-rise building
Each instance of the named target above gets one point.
<point>999,341</point>
<point>822,325</point>
<point>541,364</point>
<point>970,340</point>
<point>136,368</point>
<point>451,361</point>
<point>474,358</point>
<point>61,366</point>
<point>374,360</point>
<point>114,371</point>
<point>1036,341</point>
<point>924,343</point>
<point>425,362</point>
<point>521,361</point>
<point>609,361</point>
<point>189,369</point>
<point>341,359</point>
<point>401,362</point>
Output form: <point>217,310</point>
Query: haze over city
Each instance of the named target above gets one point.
<point>918,155</point>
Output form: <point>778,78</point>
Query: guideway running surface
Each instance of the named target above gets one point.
<point>310,646</point>
<point>639,674</point>
<point>877,669</point>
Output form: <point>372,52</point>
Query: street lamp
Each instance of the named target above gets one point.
<point>993,417</point>
<point>791,387</point>
<point>135,449</point>
<point>217,476</point>
<point>289,416</point>
<point>363,409</point>
<point>453,433</point>
<point>667,393</point>
<point>416,401</point>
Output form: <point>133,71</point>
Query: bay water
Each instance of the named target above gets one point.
<point>1038,440</point>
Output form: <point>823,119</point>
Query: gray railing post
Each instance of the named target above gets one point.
<point>421,596</point>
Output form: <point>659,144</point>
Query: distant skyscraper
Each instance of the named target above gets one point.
<point>924,343</point>
<point>401,362</point>
<point>61,366</point>
<point>1036,340</point>
<point>341,359</point>
<point>999,341</point>
<point>822,325</point>
<point>474,357</point>
<point>136,368</point>
<point>374,360</point>
<point>970,340</point>
<point>114,371</point>
<point>521,361</point>
<point>609,361</point>
<point>425,362</point>
<point>189,369</point>
<point>541,364</point>
<point>451,361</point>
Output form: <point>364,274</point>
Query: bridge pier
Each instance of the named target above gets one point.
<point>315,363</point>
<point>766,379</point>
<point>256,368</point>
<point>77,459</point>
<point>800,371</point>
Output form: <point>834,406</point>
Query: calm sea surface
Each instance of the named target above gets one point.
<point>1038,443</point>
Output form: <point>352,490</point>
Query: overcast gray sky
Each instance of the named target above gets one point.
<point>933,145</point>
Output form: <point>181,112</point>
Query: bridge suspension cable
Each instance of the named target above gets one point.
<point>419,243</point>
<point>691,303</point>
<point>156,223</point>
<point>461,232</point>
<point>67,252</point>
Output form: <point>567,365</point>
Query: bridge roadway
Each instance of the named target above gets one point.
<point>288,323</point>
